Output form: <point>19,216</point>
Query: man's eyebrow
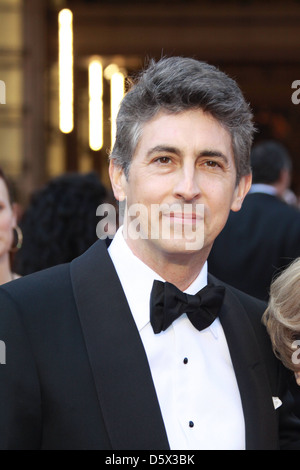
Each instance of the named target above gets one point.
<point>163,148</point>
<point>213,153</point>
<point>170,149</point>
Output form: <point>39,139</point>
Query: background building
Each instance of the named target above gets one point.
<point>256,42</point>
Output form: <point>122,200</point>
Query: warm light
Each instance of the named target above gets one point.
<point>65,65</point>
<point>95,105</point>
<point>117,87</point>
<point>110,70</point>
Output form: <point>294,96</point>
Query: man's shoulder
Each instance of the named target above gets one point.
<point>254,309</point>
<point>247,300</point>
<point>253,306</point>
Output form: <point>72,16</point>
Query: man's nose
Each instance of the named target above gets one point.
<point>187,184</point>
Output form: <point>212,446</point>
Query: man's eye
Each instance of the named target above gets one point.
<point>163,160</point>
<point>212,164</point>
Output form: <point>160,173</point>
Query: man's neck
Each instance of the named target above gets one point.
<point>178,269</point>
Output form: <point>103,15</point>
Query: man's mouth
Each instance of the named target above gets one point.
<point>185,217</point>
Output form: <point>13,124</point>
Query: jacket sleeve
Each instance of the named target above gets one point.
<point>20,399</point>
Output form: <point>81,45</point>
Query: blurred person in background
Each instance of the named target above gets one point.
<point>282,319</point>
<point>10,233</point>
<point>60,221</point>
<point>264,236</point>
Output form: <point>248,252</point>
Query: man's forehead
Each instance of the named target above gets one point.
<point>161,129</point>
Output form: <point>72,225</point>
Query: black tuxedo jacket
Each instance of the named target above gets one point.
<point>256,243</point>
<point>76,375</point>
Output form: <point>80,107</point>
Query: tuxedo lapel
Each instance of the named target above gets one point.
<point>252,377</point>
<point>122,376</point>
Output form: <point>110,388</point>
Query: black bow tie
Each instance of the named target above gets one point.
<point>167,303</point>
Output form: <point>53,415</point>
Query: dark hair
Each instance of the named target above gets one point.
<point>268,159</point>
<point>177,84</point>
<point>60,222</point>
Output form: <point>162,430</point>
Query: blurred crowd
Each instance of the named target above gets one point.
<point>264,236</point>
<point>58,224</point>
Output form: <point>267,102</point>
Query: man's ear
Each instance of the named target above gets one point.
<point>240,192</point>
<point>118,180</point>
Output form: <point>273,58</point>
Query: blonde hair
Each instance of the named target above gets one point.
<point>282,317</point>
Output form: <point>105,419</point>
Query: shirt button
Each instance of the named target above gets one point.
<point>191,424</point>
<point>185,360</point>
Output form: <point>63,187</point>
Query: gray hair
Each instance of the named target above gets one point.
<point>282,316</point>
<point>177,84</point>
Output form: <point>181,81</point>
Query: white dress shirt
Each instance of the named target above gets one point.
<point>192,370</point>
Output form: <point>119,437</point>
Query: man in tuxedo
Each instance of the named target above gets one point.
<point>137,346</point>
<point>264,236</point>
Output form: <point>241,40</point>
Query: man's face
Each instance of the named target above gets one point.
<point>183,161</point>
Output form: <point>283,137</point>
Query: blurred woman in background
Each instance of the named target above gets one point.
<point>10,233</point>
<point>60,221</point>
<point>282,317</point>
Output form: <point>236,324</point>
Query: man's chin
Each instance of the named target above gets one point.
<point>183,246</point>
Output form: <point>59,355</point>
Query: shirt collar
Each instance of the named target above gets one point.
<point>137,280</point>
<point>263,188</point>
